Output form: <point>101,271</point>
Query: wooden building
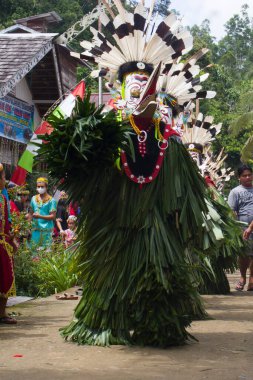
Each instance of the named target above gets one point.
<point>35,71</point>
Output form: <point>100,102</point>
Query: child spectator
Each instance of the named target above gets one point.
<point>70,233</point>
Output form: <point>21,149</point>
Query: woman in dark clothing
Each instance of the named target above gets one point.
<point>62,213</point>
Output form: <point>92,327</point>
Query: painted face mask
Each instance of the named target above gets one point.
<point>41,190</point>
<point>195,151</point>
<point>150,136</point>
<point>165,113</point>
<point>134,86</point>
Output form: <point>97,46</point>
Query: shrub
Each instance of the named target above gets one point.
<point>26,276</point>
<point>41,272</point>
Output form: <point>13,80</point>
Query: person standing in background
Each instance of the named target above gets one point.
<point>23,202</point>
<point>42,213</point>
<point>62,212</point>
<point>7,248</point>
<point>240,199</point>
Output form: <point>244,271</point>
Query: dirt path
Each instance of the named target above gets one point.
<point>224,351</point>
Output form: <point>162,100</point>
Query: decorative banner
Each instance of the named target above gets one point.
<point>16,119</point>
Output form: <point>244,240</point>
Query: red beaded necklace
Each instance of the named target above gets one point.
<point>162,144</point>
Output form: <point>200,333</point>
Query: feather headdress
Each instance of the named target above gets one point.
<point>136,39</point>
<point>197,135</point>
<point>200,130</point>
<point>215,166</point>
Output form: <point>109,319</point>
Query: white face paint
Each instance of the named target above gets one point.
<point>166,113</point>
<point>134,86</point>
<point>195,155</point>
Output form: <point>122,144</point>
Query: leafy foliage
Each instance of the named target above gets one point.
<point>20,225</point>
<point>247,151</point>
<point>42,272</point>
<point>136,247</point>
<point>224,259</point>
<point>26,276</point>
<point>243,125</point>
<point>87,140</point>
<point>70,11</point>
<point>231,78</point>
<point>235,49</point>
<point>57,270</point>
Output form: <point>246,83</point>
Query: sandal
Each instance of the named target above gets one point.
<point>8,320</point>
<point>67,296</point>
<point>240,286</point>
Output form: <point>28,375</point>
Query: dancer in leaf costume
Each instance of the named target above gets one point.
<point>143,204</point>
<point>197,133</point>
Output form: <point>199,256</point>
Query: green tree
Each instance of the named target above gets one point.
<point>14,9</point>
<point>230,74</point>
<point>162,6</point>
<point>202,38</point>
<point>243,124</point>
<point>70,11</point>
<point>235,50</point>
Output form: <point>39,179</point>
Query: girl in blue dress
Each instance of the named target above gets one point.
<point>43,211</point>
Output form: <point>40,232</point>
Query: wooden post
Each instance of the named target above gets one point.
<point>57,71</point>
<point>100,83</point>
